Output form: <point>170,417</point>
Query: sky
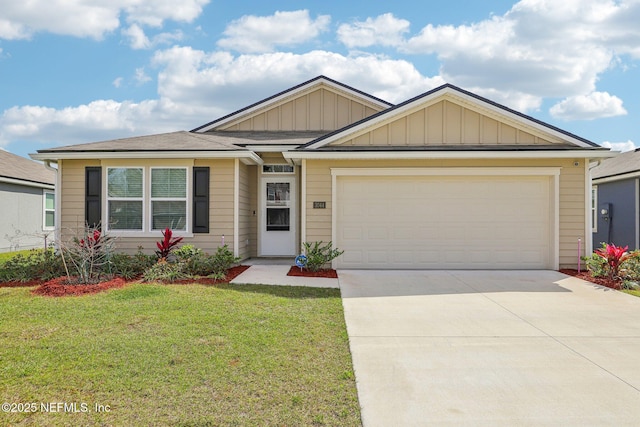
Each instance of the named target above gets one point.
<point>77,71</point>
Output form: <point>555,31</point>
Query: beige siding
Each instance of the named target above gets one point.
<point>322,108</point>
<point>571,195</point>
<point>220,213</point>
<point>247,239</point>
<point>445,123</point>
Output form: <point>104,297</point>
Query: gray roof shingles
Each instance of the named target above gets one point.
<point>17,167</point>
<point>621,164</point>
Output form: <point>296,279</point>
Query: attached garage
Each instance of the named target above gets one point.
<point>446,218</point>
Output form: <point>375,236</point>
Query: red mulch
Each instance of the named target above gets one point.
<point>60,287</point>
<point>20,284</point>
<point>232,273</point>
<point>585,275</point>
<point>329,273</point>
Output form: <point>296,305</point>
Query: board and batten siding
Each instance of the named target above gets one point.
<point>446,123</point>
<point>320,109</point>
<point>72,193</point>
<point>571,194</point>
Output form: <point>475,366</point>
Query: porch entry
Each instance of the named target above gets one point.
<point>278,217</point>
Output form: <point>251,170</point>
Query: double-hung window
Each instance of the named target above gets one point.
<point>49,210</point>
<point>168,198</point>
<point>125,197</point>
<point>147,199</point>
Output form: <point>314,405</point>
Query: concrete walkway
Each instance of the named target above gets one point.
<point>482,348</point>
<point>276,274</point>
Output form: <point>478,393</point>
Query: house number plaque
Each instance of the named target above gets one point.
<point>319,205</point>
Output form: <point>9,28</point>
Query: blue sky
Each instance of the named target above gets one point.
<point>73,71</point>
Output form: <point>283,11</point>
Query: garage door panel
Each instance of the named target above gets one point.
<point>443,222</point>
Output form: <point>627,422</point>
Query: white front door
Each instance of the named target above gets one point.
<point>278,216</point>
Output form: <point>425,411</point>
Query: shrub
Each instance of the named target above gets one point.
<point>36,264</point>
<point>222,260</point>
<point>163,271</point>
<point>130,266</point>
<point>318,255</point>
<point>167,244</point>
<point>614,256</point>
<point>88,256</point>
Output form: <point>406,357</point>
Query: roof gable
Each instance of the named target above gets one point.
<point>448,116</point>
<point>320,104</point>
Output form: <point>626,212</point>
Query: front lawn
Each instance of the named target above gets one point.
<point>187,355</point>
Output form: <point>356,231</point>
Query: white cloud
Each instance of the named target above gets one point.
<point>541,48</point>
<point>385,30</point>
<point>137,38</point>
<point>95,19</point>
<point>588,107</point>
<point>117,82</point>
<point>141,76</point>
<point>620,146</point>
<point>195,87</point>
<point>254,34</point>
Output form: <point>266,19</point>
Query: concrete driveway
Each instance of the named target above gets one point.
<point>492,348</point>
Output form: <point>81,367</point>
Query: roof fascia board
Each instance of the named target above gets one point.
<point>452,93</point>
<point>290,93</point>
<point>247,157</point>
<point>15,181</point>
<point>613,178</point>
<point>402,155</point>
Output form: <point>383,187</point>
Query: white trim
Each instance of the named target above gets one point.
<point>247,157</point>
<point>105,210</point>
<point>303,201</point>
<point>261,105</point>
<point>44,210</point>
<point>188,199</point>
<point>593,207</point>
<point>402,155</point>
<point>272,148</point>
<point>236,207</point>
<point>452,171</point>
<point>448,93</point>
<point>637,197</point>
<point>617,177</point>
<point>588,226</point>
<point>27,183</point>
<point>552,172</point>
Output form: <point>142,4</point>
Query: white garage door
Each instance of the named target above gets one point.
<point>454,222</point>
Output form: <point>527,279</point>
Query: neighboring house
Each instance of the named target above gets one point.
<point>616,200</point>
<point>27,203</point>
<point>447,179</point>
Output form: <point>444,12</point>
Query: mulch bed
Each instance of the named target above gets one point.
<point>585,275</point>
<point>60,287</point>
<point>328,273</point>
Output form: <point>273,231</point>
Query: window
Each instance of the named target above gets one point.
<point>125,198</point>
<point>49,210</point>
<point>594,208</point>
<point>169,198</point>
<point>277,169</point>
<point>147,199</point>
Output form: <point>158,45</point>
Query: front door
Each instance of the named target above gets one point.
<point>278,216</point>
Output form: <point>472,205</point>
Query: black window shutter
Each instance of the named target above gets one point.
<point>93,196</point>
<point>200,199</point>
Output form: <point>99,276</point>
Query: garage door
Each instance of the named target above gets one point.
<point>455,222</point>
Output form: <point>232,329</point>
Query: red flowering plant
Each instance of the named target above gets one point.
<point>613,256</point>
<point>167,244</point>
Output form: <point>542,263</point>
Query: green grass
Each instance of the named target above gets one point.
<point>5,256</point>
<point>633,292</point>
<point>179,355</point>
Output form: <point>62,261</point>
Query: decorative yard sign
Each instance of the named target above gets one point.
<point>301,261</point>
<point>319,205</point>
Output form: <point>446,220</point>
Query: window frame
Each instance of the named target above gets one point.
<point>293,169</point>
<point>594,208</point>
<point>147,200</point>
<point>109,199</point>
<point>187,222</point>
<point>45,210</point>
